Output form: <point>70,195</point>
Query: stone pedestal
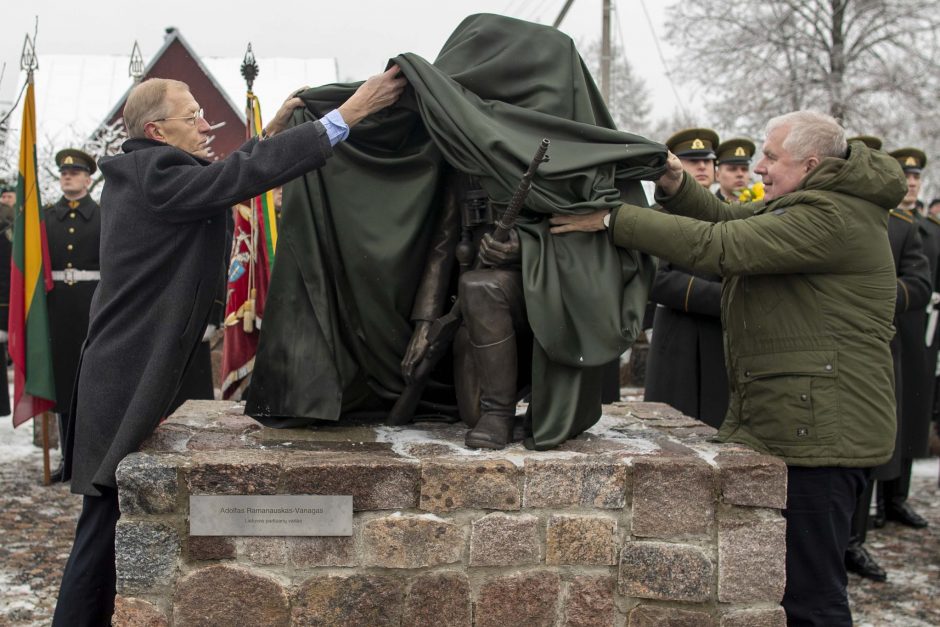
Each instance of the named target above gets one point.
<point>640,521</point>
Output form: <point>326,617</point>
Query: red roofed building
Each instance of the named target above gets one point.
<point>177,60</point>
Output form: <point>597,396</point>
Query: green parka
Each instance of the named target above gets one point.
<point>807,305</point>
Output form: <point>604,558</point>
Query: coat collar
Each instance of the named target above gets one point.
<point>85,206</point>
<point>144,143</point>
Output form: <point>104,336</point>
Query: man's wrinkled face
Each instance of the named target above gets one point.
<point>733,177</point>
<point>913,188</point>
<point>781,172</point>
<point>187,133</point>
<point>8,199</point>
<point>702,170</point>
<point>74,181</point>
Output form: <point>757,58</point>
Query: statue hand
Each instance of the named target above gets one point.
<point>416,350</point>
<point>496,254</point>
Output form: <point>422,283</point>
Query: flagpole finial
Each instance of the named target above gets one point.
<point>29,62</point>
<point>136,67</point>
<point>249,67</point>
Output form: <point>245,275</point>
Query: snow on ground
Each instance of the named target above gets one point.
<point>38,522</point>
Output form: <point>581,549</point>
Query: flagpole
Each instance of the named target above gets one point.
<point>46,467</point>
<point>249,71</point>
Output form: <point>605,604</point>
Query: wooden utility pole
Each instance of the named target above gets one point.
<point>605,44</point>
<point>605,53</point>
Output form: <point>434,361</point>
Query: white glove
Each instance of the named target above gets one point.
<point>210,331</point>
<point>3,337</point>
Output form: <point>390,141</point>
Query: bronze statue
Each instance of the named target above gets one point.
<point>489,314</point>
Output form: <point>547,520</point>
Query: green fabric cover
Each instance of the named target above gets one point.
<point>354,233</point>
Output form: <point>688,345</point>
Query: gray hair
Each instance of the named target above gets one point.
<point>146,103</point>
<point>811,133</point>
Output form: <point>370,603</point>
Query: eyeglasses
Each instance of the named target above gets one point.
<point>192,119</point>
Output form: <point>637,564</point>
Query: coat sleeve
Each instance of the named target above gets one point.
<point>681,290</point>
<point>694,201</point>
<point>800,238</point>
<point>180,190</point>
<point>913,270</point>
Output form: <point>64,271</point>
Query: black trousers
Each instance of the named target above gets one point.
<point>862,513</point>
<point>86,596</point>
<point>820,502</point>
<point>894,492</point>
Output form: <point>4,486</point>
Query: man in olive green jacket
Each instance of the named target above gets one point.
<point>807,307</point>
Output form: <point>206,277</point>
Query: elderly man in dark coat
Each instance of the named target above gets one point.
<point>162,238</point>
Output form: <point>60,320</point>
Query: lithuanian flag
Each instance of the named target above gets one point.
<point>30,279</point>
<point>264,204</point>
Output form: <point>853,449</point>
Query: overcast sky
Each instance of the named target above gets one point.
<point>360,34</point>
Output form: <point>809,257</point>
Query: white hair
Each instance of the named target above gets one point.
<point>811,133</point>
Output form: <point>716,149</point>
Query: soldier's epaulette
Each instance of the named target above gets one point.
<point>903,216</point>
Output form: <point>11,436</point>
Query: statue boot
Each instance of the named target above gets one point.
<point>496,366</point>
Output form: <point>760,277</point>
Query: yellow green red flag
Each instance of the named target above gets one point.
<point>30,279</point>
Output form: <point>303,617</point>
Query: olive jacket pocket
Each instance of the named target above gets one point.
<point>790,398</point>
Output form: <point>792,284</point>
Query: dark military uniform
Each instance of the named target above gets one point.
<point>916,374</point>
<point>6,251</point>
<point>73,231</point>
<point>913,292</point>
<point>686,364</point>
<point>914,289</point>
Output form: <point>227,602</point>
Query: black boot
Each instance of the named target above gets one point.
<point>496,369</point>
<point>56,476</point>
<point>902,512</point>
<point>859,561</point>
<point>896,505</point>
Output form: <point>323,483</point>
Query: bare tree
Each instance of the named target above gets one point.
<point>629,96</point>
<point>869,63</point>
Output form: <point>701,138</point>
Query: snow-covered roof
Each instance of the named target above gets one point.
<point>75,93</point>
<point>277,78</point>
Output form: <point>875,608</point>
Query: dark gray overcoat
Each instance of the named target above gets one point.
<point>162,244</point>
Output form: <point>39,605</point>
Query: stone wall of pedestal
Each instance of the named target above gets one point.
<point>641,521</point>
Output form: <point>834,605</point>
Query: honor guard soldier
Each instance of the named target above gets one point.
<point>685,366</point>
<point>917,376</point>
<point>73,228</point>
<point>913,292</point>
<point>7,213</point>
<point>734,164</point>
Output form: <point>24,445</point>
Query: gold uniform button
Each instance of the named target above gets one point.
<point>71,214</point>
<point>70,247</point>
<point>68,265</point>
<point>71,229</point>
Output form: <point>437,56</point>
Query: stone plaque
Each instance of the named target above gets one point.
<point>275,515</point>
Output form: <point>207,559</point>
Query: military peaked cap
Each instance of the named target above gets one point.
<point>911,159</point>
<point>74,158</point>
<point>736,151</point>
<point>871,141</point>
<point>693,143</point>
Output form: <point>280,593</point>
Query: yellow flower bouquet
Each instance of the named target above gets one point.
<point>753,193</point>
